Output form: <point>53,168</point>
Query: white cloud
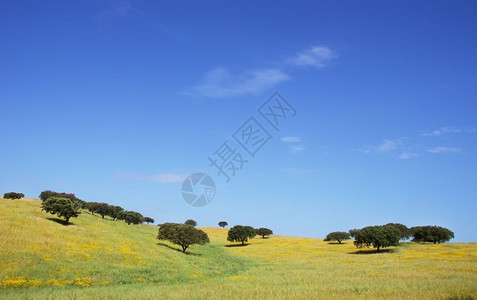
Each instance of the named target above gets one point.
<point>297,148</point>
<point>387,145</point>
<point>165,178</point>
<point>219,83</point>
<point>117,9</point>
<point>407,155</point>
<point>391,147</point>
<point>293,140</point>
<point>449,129</point>
<point>443,150</point>
<point>123,8</point>
<point>290,139</point>
<point>316,57</point>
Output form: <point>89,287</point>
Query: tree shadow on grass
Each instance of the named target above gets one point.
<point>178,250</point>
<point>336,243</point>
<point>236,245</point>
<point>365,252</point>
<point>60,221</point>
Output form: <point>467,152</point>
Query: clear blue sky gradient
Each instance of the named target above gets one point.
<point>117,101</point>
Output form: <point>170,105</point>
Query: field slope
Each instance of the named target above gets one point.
<point>96,258</point>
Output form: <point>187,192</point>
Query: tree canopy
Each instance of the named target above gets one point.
<point>62,207</point>
<point>223,224</point>
<point>431,234</point>
<point>191,222</point>
<point>148,220</point>
<point>240,233</point>
<point>264,232</point>
<point>132,217</point>
<point>338,236</point>
<point>405,232</point>
<point>13,195</point>
<point>182,235</point>
<point>48,194</point>
<point>377,236</point>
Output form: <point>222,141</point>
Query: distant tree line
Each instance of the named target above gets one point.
<point>382,236</point>
<point>67,205</point>
<point>186,234</point>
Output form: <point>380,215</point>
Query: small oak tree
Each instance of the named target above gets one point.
<point>48,194</point>
<point>432,234</point>
<point>148,220</point>
<point>115,212</point>
<point>240,233</point>
<point>223,224</point>
<point>264,232</point>
<point>338,236</point>
<point>191,222</point>
<point>104,209</point>
<point>62,207</point>
<point>132,217</point>
<point>377,236</point>
<point>182,235</point>
<point>13,195</point>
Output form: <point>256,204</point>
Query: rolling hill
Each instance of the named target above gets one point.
<point>41,258</point>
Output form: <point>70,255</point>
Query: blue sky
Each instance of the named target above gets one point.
<point>118,101</point>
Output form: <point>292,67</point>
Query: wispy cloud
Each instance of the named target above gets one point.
<point>441,131</point>
<point>293,140</point>
<point>443,150</point>
<point>317,57</point>
<point>297,148</point>
<point>290,139</point>
<point>167,177</point>
<point>407,155</point>
<point>449,130</point>
<point>219,83</point>
<point>118,9</point>
<point>387,145</point>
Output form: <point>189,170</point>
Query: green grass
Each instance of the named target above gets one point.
<point>40,258</point>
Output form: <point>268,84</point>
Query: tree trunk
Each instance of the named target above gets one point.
<point>243,242</point>
<point>339,242</point>
<point>378,249</point>
<point>184,248</point>
<point>67,219</point>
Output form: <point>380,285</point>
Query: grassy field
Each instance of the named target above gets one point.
<point>96,258</point>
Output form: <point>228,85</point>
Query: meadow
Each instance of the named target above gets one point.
<point>95,258</point>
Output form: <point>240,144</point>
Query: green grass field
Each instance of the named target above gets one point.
<point>96,258</point>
